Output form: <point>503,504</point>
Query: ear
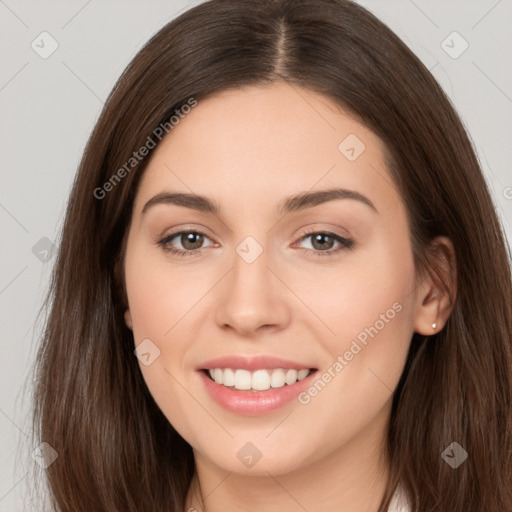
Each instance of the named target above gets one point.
<point>128,319</point>
<point>437,288</point>
<point>119,278</point>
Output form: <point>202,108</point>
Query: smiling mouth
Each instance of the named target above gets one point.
<point>257,380</point>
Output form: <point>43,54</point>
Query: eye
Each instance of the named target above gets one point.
<point>191,243</point>
<point>322,242</point>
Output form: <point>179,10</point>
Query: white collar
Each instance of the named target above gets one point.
<point>399,502</point>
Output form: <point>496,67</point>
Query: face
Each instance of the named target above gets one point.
<point>303,309</point>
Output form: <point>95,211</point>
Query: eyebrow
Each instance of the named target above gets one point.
<point>290,204</point>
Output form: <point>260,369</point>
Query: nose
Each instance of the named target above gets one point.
<point>252,299</point>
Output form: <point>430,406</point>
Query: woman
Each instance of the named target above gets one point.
<point>337,334</point>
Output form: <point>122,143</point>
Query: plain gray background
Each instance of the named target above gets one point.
<point>48,107</point>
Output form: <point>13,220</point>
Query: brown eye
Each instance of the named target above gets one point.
<point>322,243</point>
<point>191,243</point>
<point>191,240</point>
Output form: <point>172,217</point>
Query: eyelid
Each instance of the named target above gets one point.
<point>325,227</point>
<point>196,228</point>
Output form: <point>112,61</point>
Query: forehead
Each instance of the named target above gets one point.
<point>253,143</point>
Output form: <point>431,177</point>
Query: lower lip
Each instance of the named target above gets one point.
<point>253,403</point>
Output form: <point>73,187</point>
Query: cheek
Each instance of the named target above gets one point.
<point>368,305</point>
<point>163,302</point>
<point>159,301</point>
<point>158,295</point>
<point>352,295</point>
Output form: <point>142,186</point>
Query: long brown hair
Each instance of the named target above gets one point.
<point>117,451</point>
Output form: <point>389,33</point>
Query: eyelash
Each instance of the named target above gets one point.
<point>345,243</point>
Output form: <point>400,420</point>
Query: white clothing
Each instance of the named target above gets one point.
<point>399,502</point>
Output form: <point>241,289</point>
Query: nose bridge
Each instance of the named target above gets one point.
<point>250,267</point>
<point>252,296</point>
<point>251,278</point>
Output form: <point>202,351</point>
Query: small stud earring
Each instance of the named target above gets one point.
<point>434,325</point>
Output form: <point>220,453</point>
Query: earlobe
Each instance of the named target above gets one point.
<point>128,319</point>
<point>428,320</point>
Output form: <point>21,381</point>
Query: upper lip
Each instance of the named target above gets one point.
<point>252,363</point>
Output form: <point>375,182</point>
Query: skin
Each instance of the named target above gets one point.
<point>247,149</point>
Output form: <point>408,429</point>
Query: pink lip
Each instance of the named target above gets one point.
<point>252,363</point>
<point>253,403</point>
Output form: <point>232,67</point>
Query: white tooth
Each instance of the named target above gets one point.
<point>278,378</point>
<point>212,374</point>
<point>229,377</point>
<point>243,379</point>
<point>218,375</point>
<point>260,380</point>
<point>291,377</point>
<point>302,374</point>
